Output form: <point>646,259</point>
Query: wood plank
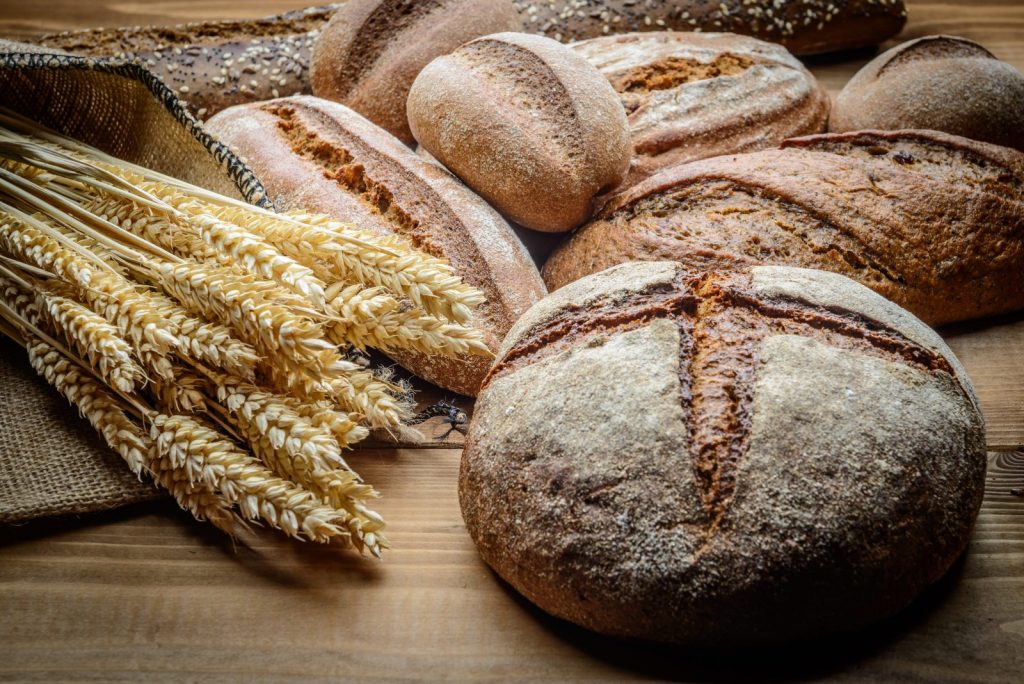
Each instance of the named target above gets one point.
<point>152,592</point>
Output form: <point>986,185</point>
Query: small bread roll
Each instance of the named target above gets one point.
<point>943,83</point>
<point>371,50</point>
<point>527,123</point>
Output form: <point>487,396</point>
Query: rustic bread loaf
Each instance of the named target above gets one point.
<point>939,82</point>
<point>215,64</point>
<point>932,221</point>
<point>371,50</point>
<point>804,26</point>
<point>694,95</point>
<point>525,122</point>
<point>320,156</point>
<point>727,458</point>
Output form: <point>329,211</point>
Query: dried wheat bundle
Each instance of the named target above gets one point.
<point>208,341</point>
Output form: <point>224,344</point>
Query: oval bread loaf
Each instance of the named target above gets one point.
<point>804,26</point>
<point>369,53</point>
<point>527,123</point>
<point>695,95</point>
<point>722,459</point>
<point>939,82</point>
<point>931,221</point>
<point>320,156</point>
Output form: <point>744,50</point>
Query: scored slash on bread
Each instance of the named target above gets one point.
<point>931,221</point>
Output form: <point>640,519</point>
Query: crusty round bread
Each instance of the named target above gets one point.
<point>370,51</point>
<point>804,26</point>
<point>943,83</point>
<point>320,156</point>
<point>929,220</point>
<point>724,458</point>
<point>695,95</point>
<point>527,123</point>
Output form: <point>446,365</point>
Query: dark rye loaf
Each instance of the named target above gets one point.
<point>722,458</point>
<point>931,221</point>
<point>691,96</point>
<point>320,156</point>
<point>804,26</point>
<point>213,65</point>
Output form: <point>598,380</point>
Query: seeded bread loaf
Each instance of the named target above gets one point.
<point>938,82</point>
<point>724,458</point>
<point>804,26</point>
<point>527,123</point>
<point>320,156</point>
<point>931,221</point>
<point>370,51</point>
<point>215,64</point>
<point>695,95</point>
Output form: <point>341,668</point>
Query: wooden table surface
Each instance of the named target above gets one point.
<point>149,593</point>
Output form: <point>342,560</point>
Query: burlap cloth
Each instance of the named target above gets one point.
<point>51,460</point>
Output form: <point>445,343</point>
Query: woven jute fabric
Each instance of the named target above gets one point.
<point>51,461</point>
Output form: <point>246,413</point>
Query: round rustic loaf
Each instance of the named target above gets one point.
<point>320,156</point>
<point>370,51</point>
<point>943,83</point>
<point>525,122</point>
<point>804,26</point>
<point>695,95</point>
<point>929,220</point>
<point>724,458</point>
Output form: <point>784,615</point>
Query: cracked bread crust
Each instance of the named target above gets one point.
<point>722,458</point>
<point>931,221</point>
<point>691,96</point>
<point>320,156</point>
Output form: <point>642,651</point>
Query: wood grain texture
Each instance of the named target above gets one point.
<point>148,593</point>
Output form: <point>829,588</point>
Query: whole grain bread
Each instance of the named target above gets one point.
<point>212,65</point>
<point>370,51</point>
<point>690,96</point>
<point>320,156</point>
<point>943,83</point>
<point>722,458</point>
<point>931,221</point>
<point>805,27</point>
<point>527,123</point>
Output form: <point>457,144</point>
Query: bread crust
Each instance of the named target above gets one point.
<point>527,123</point>
<point>805,28</point>
<point>690,96</point>
<point>722,458</point>
<point>320,156</point>
<point>931,221</point>
<point>943,83</point>
<point>369,53</point>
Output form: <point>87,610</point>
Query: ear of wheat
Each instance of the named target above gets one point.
<point>208,341</point>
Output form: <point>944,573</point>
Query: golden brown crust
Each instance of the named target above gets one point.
<point>690,96</point>
<point>370,51</point>
<point>805,27</point>
<point>728,458</point>
<point>213,65</point>
<point>931,221</point>
<point>527,123</point>
<point>321,156</point>
<point>943,83</point>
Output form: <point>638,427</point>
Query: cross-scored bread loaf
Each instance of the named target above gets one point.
<point>931,221</point>
<point>320,156</point>
<point>723,457</point>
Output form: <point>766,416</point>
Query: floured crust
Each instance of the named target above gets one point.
<point>723,460</point>
<point>695,95</point>
<point>943,83</point>
<point>320,156</point>
<point>370,51</point>
<point>928,220</point>
<point>527,123</point>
